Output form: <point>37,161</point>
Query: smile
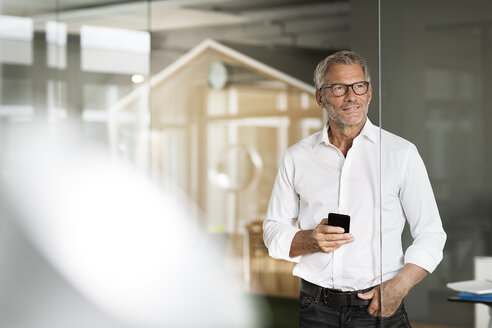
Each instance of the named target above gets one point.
<point>350,108</point>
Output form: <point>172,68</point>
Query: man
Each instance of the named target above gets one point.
<point>352,167</point>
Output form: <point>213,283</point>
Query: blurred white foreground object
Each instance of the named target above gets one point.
<point>130,248</point>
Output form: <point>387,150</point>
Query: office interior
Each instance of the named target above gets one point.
<point>202,97</point>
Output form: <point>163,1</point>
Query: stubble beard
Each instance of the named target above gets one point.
<point>333,116</point>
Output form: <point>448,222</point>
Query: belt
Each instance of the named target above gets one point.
<point>334,297</point>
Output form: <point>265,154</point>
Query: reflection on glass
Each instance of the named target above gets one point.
<point>56,44</point>
<point>219,134</point>
<point>16,35</point>
<point>114,50</point>
<point>42,82</point>
<point>237,168</point>
<point>91,65</point>
<point>56,101</point>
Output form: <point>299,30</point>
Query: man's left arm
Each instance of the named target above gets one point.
<point>394,290</point>
<point>425,253</point>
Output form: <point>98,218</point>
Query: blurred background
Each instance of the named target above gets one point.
<point>204,96</point>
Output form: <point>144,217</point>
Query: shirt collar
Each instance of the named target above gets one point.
<point>369,130</point>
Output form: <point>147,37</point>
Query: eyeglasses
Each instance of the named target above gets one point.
<point>341,89</point>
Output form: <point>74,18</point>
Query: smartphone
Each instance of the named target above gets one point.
<point>339,220</point>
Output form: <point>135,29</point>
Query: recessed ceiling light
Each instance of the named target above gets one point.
<point>137,78</point>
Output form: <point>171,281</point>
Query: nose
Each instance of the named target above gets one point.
<point>350,95</point>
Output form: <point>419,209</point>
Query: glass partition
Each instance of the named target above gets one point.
<point>203,98</point>
<point>191,94</point>
<point>63,64</point>
<point>436,59</point>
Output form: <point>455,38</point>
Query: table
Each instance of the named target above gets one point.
<point>488,303</point>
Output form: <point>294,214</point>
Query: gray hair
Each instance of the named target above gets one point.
<point>341,57</point>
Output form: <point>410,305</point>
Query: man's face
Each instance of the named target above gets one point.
<point>349,109</point>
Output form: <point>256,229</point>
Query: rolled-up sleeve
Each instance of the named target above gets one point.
<point>422,214</point>
<point>280,227</point>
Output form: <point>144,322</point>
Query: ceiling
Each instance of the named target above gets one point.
<point>179,25</point>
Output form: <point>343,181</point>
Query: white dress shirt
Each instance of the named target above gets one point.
<point>315,179</point>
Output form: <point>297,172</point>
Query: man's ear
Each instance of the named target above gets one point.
<point>319,99</point>
<point>370,94</point>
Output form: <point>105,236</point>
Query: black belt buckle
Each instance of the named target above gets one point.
<point>339,299</point>
<point>335,299</point>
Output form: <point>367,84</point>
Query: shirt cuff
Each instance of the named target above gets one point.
<point>279,245</point>
<point>423,258</point>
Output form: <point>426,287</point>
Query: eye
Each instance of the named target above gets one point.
<point>360,86</point>
<point>338,87</point>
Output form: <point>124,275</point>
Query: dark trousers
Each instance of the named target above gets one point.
<point>314,313</point>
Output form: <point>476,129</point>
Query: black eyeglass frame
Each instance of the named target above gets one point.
<point>346,88</point>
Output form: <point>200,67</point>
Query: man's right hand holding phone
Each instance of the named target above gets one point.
<point>324,238</point>
<point>329,238</point>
